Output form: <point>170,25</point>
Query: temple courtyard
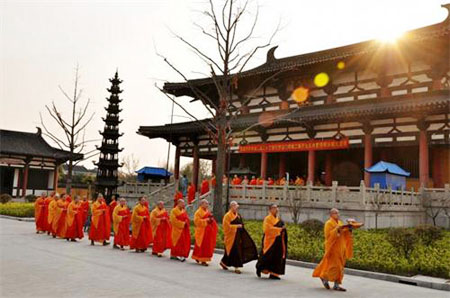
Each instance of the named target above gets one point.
<point>40,266</point>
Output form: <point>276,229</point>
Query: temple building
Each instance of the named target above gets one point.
<point>331,114</point>
<point>28,164</point>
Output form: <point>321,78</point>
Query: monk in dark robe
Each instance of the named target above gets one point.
<point>181,236</point>
<point>338,248</point>
<point>205,234</point>
<point>141,228</point>
<point>74,221</point>
<point>40,214</point>
<point>272,259</point>
<point>239,246</point>
<point>100,222</point>
<point>162,230</point>
<point>121,224</point>
<point>85,212</point>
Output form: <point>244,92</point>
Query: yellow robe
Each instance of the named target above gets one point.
<point>270,231</point>
<point>200,225</point>
<point>177,225</point>
<point>51,212</point>
<point>136,220</point>
<point>338,248</point>
<point>117,218</point>
<point>229,230</point>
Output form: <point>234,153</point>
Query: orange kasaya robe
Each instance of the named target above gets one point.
<point>253,182</point>
<point>191,193</point>
<point>52,205</point>
<point>236,181</point>
<point>178,195</point>
<point>40,214</point>
<point>205,235</point>
<point>121,225</point>
<point>141,228</point>
<point>100,222</point>
<point>59,221</point>
<point>338,248</point>
<point>162,230</point>
<point>111,206</point>
<point>205,187</point>
<point>270,182</point>
<point>181,237</point>
<point>74,221</point>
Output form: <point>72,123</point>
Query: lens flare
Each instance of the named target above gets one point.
<point>300,94</point>
<point>266,119</point>
<point>340,65</point>
<point>321,79</point>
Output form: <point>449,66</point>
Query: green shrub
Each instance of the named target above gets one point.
<point>5,198</point>
<point>30,198</point>
<point>17,209</point>
<point>313,227</point>
<point>428,234</point>
<point>403,240</point>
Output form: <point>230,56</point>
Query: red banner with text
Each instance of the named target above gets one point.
<point>293,146</point>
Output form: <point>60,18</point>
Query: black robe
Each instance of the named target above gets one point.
<point>274,260</point>
<point>243,249</point>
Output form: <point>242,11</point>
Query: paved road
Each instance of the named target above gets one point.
<point>40,266</point>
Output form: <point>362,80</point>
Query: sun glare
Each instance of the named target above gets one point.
<point>390,36</point>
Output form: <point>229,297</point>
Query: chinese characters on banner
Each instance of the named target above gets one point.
<point>295,146</point>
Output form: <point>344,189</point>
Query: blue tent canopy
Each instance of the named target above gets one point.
<point>152,173</point>
<point>387,167</point>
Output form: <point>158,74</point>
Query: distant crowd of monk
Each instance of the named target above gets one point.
<point>62,217</point>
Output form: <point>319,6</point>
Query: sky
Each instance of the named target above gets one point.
<point>41,42</point>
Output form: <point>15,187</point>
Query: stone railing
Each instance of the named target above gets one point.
<point>154,191</point>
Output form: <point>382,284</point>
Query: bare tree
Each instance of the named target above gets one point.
<point>73,128</point>
<point>295,206</point>
<point>234,50</point>
<point>434,207</point>
<point>130,166</point>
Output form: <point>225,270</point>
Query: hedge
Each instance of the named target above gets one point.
<point>17,209</point>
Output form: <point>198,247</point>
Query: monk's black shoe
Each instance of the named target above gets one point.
<point>325,284</point>
<point>174,258</point>
<point>274,277</point>
<point>92,242</point>
<point>105,243</point>
<point>258,272</point>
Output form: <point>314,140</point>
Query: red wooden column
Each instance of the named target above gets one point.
<point>196,165</point>
<point>311,165</point>
<point>177,162</point>
<point>213,166</point>
<point>437,163</point>
<point>328,169</point>
<point>263,165</point>
<point>282,165</point>
<point>25,178</point>
<point>368,152</point>
<point>423,153</point>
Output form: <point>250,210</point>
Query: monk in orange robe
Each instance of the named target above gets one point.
<point>191,193</point>
<point>181,237</point>
<point>141,228</point>
<point>59,221</point>
<point>205,234</point>
<point>162,230</point>
<point>272,259</point>
<point>236,180</point>
<point>270,181</point>
<point>178,196</point>
<point>112,205</point>
<point>205,187</point>
<point>74,220</point>
<point>253,181</point>
<point>40,214</point>
<point>100,222</point>
<point>52,205</point>
<point>121,224</point>
<point>239,246</point>
<point>338,248</point>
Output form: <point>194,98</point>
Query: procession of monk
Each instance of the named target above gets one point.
<point>62,217</point>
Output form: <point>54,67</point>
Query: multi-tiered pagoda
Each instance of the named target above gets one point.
<point>108,164</point>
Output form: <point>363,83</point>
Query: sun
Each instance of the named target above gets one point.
<point>390,36</point>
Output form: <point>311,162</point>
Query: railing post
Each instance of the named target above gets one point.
<point>334,185</point>
<point>243,192</point>
<point>264,190</point>
<point>362,192</point>
<point>285,190</point>
<point>308,190</point>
